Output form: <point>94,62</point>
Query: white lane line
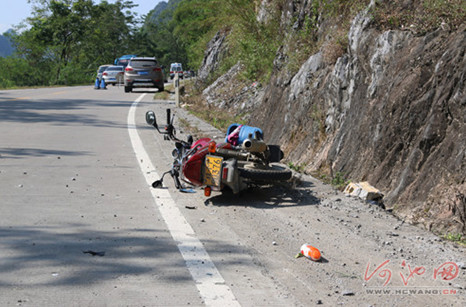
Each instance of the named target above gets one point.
<point>207,278</point>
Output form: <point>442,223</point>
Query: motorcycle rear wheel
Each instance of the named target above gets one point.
<point>272,174</point>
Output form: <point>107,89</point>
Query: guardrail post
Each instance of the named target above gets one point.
<point>176,80</point>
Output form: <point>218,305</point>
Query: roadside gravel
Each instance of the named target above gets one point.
<point>369,257</point>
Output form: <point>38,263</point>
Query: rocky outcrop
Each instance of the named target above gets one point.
<point>237,95</point>
<point>390,111</point>
<point>213,55</point>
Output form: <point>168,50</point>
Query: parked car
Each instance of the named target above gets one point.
<point>176,68</point>
<point>113,74</point>
<point>143,72</point>
<point>101,69</point>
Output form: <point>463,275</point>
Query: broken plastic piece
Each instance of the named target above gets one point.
<point>309,252</point>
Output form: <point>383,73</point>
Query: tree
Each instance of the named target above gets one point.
<point>67,39</point>
<point>194,23</point>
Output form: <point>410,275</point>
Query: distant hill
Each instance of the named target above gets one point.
<point>162,12</point>
<point>6,48</point>
<point>155,13</point>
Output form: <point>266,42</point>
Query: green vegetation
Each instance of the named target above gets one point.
<point>215,116</point>
<point>156,37</point>
<point>64,41</point>
<point>165,95</point>
<point>422,17</point>
<point>339,181</point>
<point>325,27</point>
<point>212,114</point>
<point>297,167</point>
<point>195,23</point>
<point>457,238</point>
<point>252,42</point>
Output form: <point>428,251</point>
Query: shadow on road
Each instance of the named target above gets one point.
<point>18,153</point>
<point>63,112</point>
<point>72,258</point>
<point>268,197</point>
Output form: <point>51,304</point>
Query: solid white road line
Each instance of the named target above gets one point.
<point>207,278</point>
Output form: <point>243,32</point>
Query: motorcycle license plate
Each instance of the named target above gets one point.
<point>213,171</point>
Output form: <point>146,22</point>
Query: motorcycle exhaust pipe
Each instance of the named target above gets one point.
<point>253,145</point>
<point>243,156</point>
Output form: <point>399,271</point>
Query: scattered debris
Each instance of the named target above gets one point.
<point>309,252</point>
<point>100,254</point>
<point>347,293</point>
<point>190,207</point>
<point>364,191</point>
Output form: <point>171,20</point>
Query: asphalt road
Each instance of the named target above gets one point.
<point>80,225</point>
<point>71,186</point>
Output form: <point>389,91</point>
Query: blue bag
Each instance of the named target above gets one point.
<point>237,134</point>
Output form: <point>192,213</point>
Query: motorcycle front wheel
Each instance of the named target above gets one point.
<point>270,174</point>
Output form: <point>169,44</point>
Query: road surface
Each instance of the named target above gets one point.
<point>81,226</point>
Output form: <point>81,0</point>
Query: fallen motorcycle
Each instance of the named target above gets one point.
<point>244,159</point>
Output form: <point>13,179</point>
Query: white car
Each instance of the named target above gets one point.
<point>113,74</point>
<point>176,68</point>
<point>101,70</point>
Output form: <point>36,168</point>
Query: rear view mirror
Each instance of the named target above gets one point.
<point>150,118</point>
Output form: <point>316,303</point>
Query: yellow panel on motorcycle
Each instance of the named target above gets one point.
<point>213,170</point>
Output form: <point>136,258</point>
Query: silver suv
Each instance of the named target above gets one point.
<point>143,72</point>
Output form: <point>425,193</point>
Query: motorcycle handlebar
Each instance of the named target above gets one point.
<point>169,130</point>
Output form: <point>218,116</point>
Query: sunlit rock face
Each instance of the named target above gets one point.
<point>391,111</point>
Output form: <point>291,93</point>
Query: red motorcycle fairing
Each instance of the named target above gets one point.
<point>203,142</point>
<point>192,168</point>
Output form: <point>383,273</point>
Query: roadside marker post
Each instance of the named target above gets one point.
<point>176,80</point>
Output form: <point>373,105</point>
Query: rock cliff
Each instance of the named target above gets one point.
<point>391,110</point>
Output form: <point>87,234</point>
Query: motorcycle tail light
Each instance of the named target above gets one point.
<point>225,173</point>
<point>207,191</point>
<point>212,147</point>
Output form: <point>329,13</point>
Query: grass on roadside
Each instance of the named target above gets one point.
<point>297,167</point>
<point>338,181</point>
<point>217,117</point>
<point>166,94</point>
<point>457,238</point>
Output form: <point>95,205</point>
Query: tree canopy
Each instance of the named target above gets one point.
<point>64,41</point>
